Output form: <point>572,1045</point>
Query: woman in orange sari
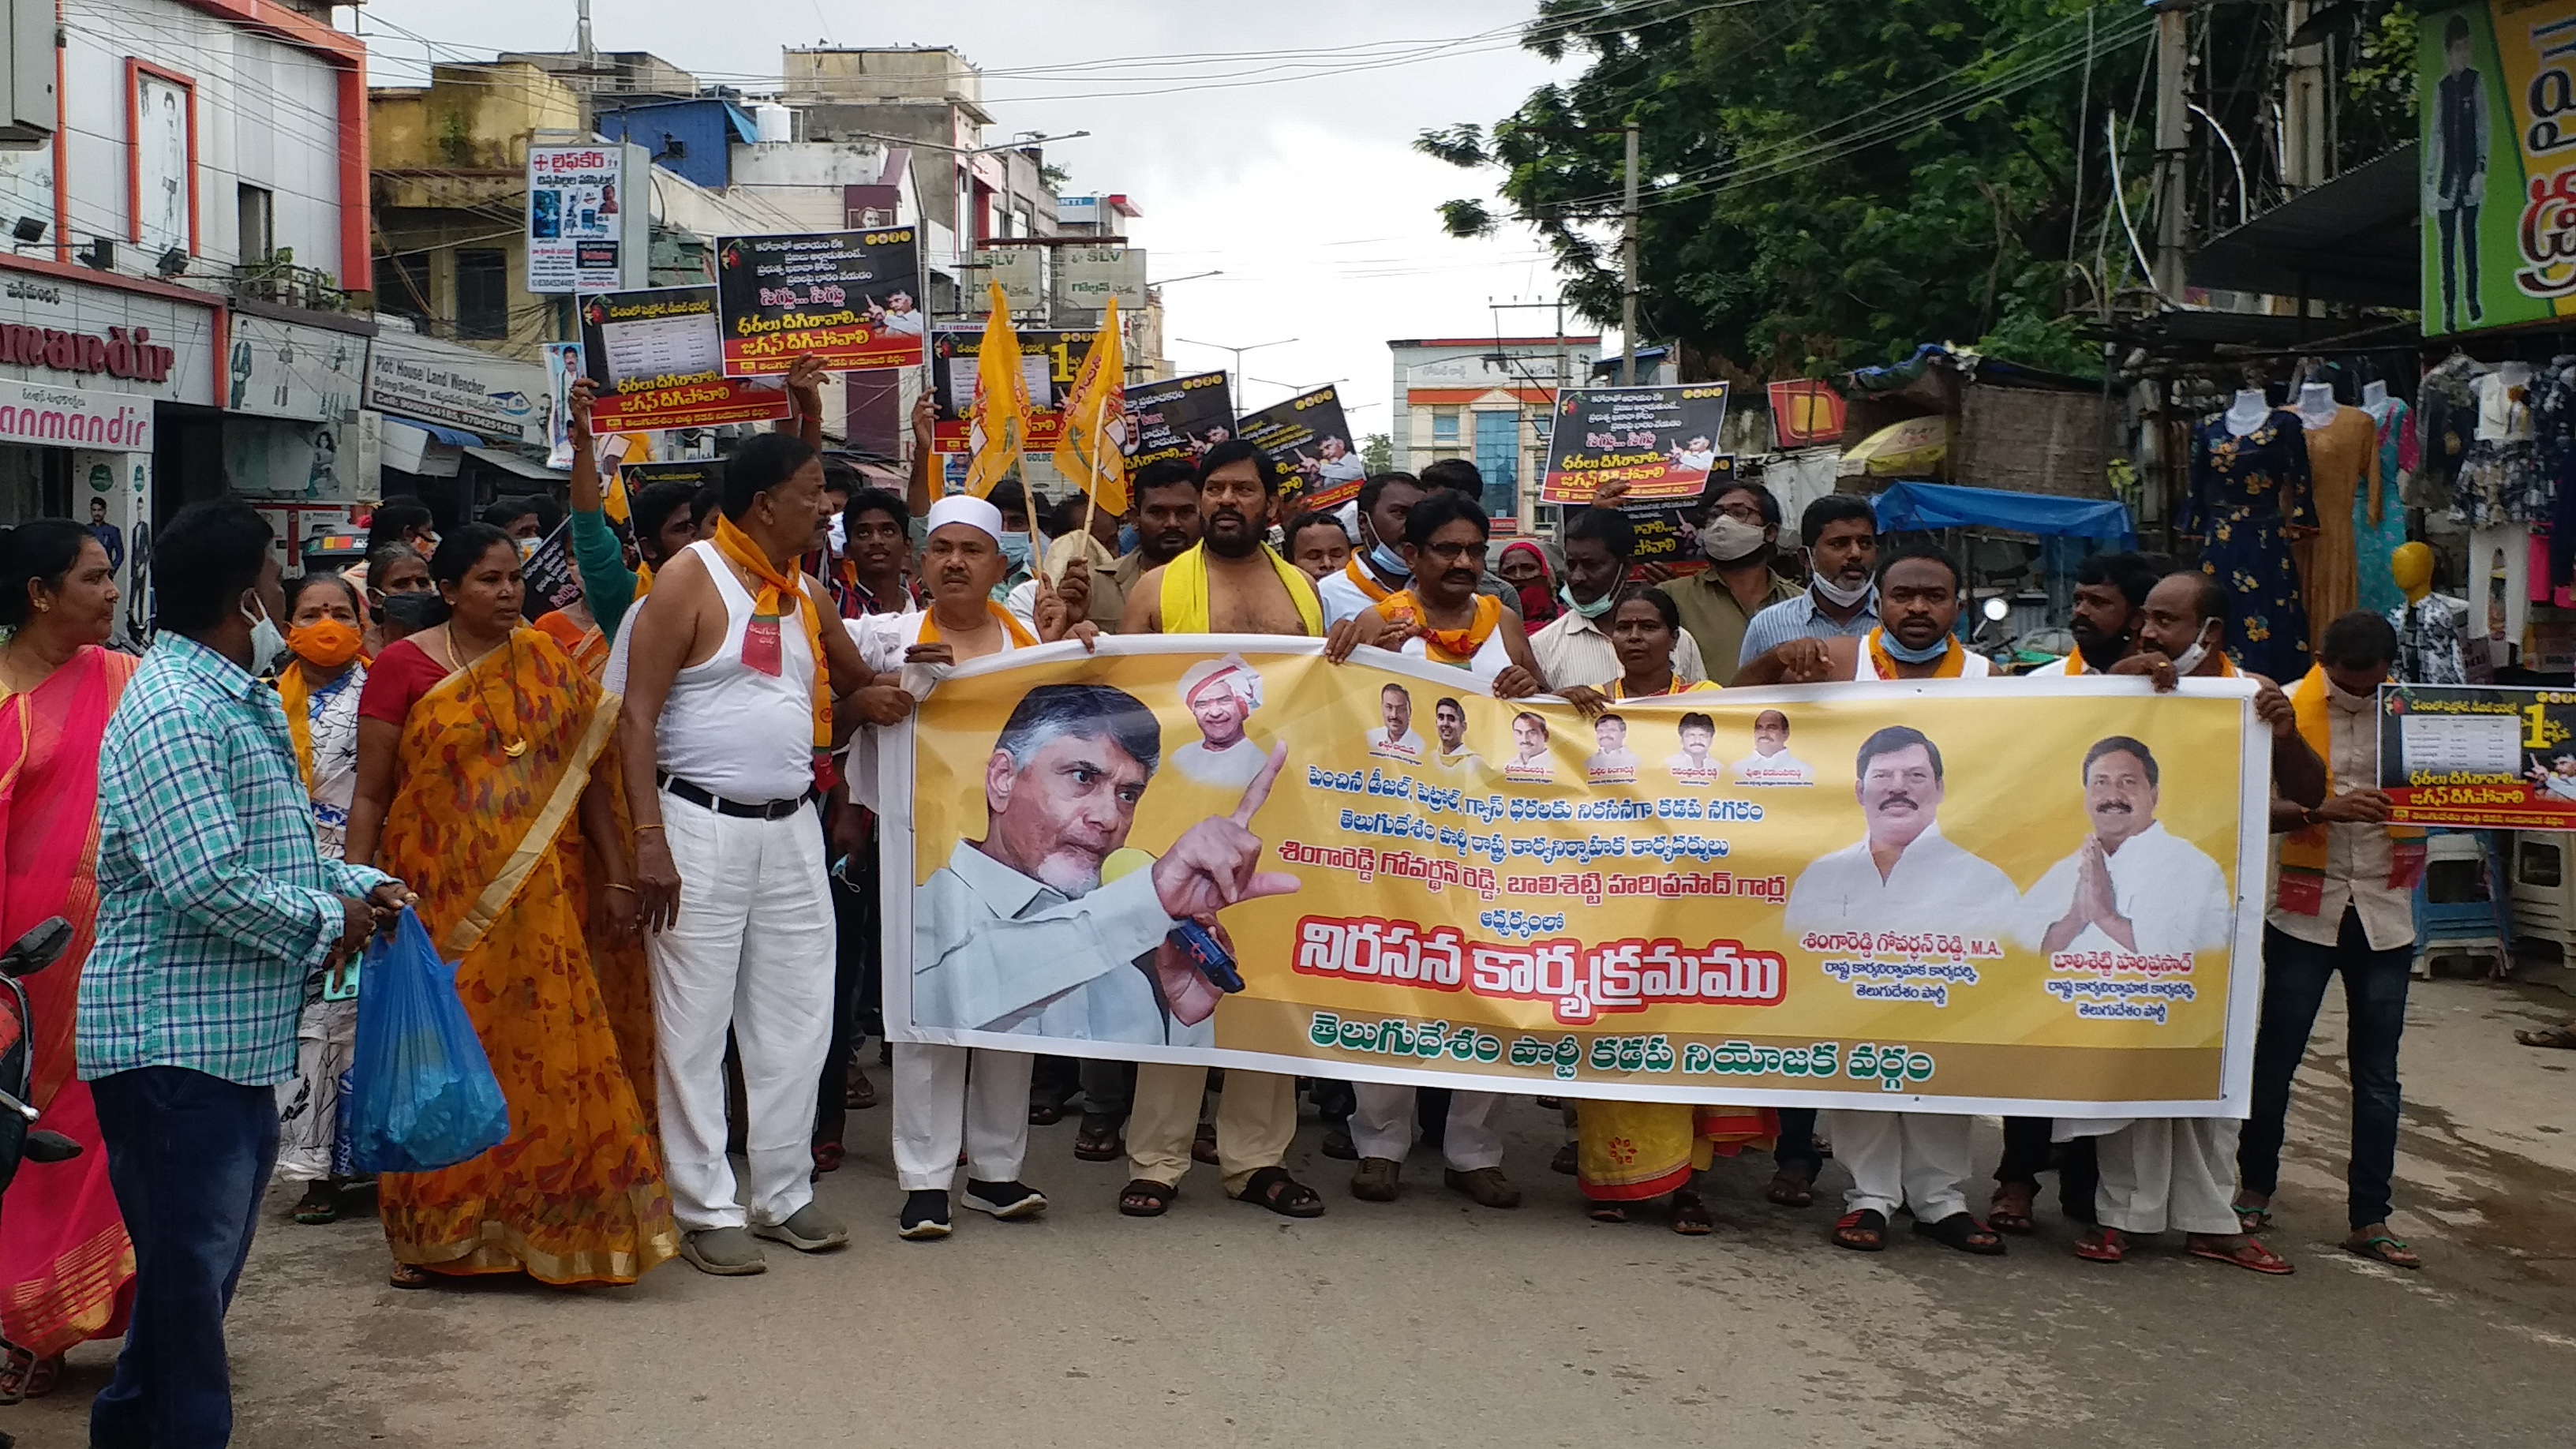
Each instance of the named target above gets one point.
<point>485,769</point>
<point>66,1267</point>
<point>1630,1152</point>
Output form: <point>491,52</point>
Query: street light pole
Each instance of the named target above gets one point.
<point>1628,269</point>
<point>1237,374</point>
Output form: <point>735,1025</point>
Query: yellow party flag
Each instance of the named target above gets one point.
<point>1092,449</point>
<point>998,421</point>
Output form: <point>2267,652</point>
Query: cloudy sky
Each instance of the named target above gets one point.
<point>1272,142</point>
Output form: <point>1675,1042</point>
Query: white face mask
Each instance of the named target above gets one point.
<point>1727,538</point>
<point>265,642</point>
<point>1839,596</point>
<point>2189,659</point>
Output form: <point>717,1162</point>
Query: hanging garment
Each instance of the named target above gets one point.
<point>2431,641</point>
<point>2379,515</point>
<point>2446,411</point>
<point>2343,469</point>
<point>2247,496</point>
<point>2501,479</point>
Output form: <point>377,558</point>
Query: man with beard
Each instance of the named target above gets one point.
<point>2110,589</point>
<point>1720,602</point>
<point>1164,510</point>
<point>1918,603</point>
<point>1231,582</point>
<point>1377,567</point>
<point>1841,535</point>
<point>1575,646</point>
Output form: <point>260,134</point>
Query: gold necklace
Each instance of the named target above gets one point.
<point>513,747</point>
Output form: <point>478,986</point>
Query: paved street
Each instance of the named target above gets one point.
<point>1434,1322</point>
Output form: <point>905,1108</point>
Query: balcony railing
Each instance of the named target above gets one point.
<point>280,282</point>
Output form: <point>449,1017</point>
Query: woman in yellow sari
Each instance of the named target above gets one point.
<point>1629,1152</point>
<point>66,1265</point>
<point>486,771</point>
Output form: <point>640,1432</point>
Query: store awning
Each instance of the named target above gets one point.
<point>519,463</point>
<point>452,437</point>
<point>2353,239</point>
<point>1923,507</point>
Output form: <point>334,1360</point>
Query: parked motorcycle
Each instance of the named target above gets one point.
<point>20,1138</point>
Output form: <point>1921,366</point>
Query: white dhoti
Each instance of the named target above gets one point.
<point>946,1097</point>
<point>1382,1125</point>
<point>2161,1173</point>
<point>752,950</point>
<point>1919,1159</point>
<point>308,1104</point>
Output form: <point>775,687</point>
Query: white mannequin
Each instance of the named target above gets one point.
<point>2316,405</point>
<point>2247,413</point>
<point>2374,401</point>
<point>2515,374</point>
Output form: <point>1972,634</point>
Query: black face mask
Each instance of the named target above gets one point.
<point>415,611</point>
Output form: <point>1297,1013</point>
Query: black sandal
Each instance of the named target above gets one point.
<point>1864,1231</point>
<point>1273,1188</point>
<point>1962,1231</point>
<point>1098,1143</point>
<point>1690,1215</point>
<point>1146,1198</point>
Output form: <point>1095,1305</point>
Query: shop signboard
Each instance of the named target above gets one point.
<point>458,387</point>
<point>276,369</point>
<point>42,414</point>
<point>1086,278</point>
<point>2496,86</point>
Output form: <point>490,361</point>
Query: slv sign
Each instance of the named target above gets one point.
<point>1087,277</point>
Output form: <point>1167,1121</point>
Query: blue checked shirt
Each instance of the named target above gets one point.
<point>215,904</point>
<point>1799,618</point>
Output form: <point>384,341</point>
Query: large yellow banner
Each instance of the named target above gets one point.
<point>1997,896</point>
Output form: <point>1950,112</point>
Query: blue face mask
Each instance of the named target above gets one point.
<point>1388,562</point>
<point>1015,547</point>
<point>1128,539</point>
<point>1898,650</point>
<point>1593,610</point>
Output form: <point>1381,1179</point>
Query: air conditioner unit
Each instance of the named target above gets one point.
<point>28,109</point>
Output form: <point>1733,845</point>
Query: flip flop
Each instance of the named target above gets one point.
<point>1606,1212</point>
<point>1690,1216</point>
<point>1791,1191</point>
<point>1098,1144</point>
<point>2561,1038</point>
<point>2381,1248</point>
<point>2109,1245</point>
<point>2249,1255</point>
<point>2009,1220</point>
<point>2252,1219</point>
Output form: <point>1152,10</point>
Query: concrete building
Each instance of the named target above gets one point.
<point>173,322</point>
<point>1487,400</point>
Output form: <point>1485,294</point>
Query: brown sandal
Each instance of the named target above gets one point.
<point>1790,1190</point>
<point>1690,1215</point>
<point>406,1275</point>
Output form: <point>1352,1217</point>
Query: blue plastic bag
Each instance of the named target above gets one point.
<point>422,1096</point>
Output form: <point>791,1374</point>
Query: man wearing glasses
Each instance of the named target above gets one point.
<point>1718,603</point>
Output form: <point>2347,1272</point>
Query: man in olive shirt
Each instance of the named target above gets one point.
<point>1717,603</point>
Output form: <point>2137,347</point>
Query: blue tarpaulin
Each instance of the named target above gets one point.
<point>1922,507</point>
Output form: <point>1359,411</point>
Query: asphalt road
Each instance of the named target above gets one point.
<point>1433,1322</point>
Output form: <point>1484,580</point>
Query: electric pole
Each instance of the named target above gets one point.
<point>2173,143</point>
<point>1627,270</point>
<point>589,53</point>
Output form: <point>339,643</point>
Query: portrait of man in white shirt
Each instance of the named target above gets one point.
<point>1771,763</point>
<point>1449,723</point>
<point>2130,888</point>
<point>1693,765</point>
<point>1394,737</point>
<point>1612,760</point>
<point>1902,875</point>
<point>1221,695</point>
<point>1529,741</point>
<point>1019,933</point>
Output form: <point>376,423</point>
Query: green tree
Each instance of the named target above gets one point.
<point>1377,452</point>
<point>1826,183</point>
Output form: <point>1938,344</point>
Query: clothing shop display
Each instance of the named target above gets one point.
<point>2501,480</point>
<point>2432,640</point>
<point>2248,495</point>
<point>2445,419</point>
<point>2500,576</point>
<point>2343,471</point>
<point>2553,419</point>
<point>2378,512</point>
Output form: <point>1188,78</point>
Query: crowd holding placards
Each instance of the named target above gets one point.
<point>642,827</point>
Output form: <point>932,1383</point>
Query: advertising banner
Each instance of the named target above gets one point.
<point>852,298</point>
<point>2497,83</point>
<point>2479,756</point>
<point>1309,440</point>
<point>1981,896</point>
<point>658,359</point>
<point>1178,417</point>
<point>1662,440</point>
<point>1805,412</point>
<point>576,217</point>
<point>439,382</point>
<point>1048,360</point>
